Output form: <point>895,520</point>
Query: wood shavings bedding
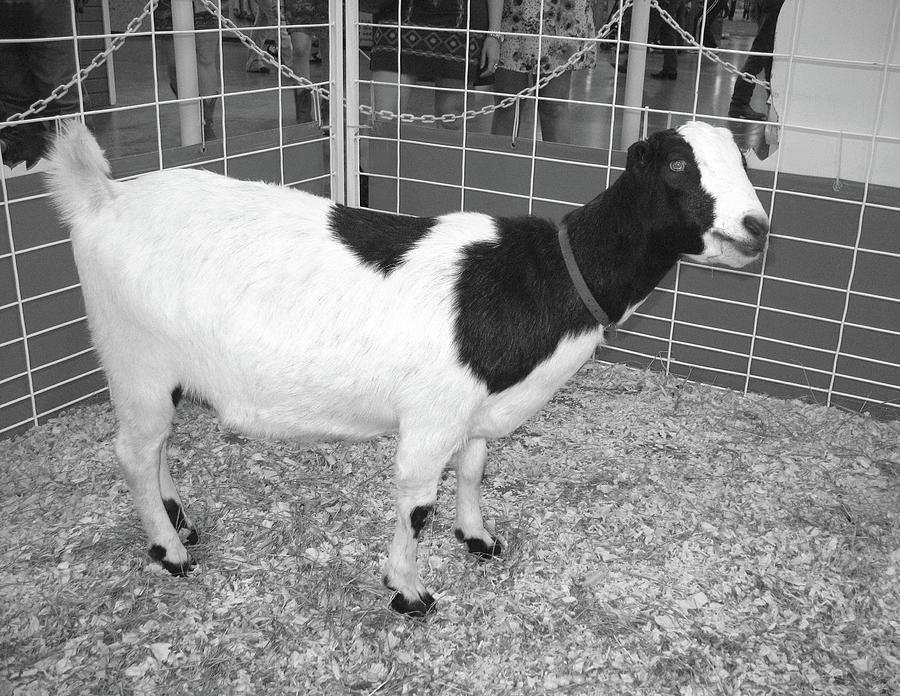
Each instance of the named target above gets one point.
<point>661,537</point>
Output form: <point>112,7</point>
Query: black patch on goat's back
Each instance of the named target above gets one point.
<point>515,302</point>
<point>376,238</point>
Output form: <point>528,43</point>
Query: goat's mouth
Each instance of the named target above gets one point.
<point>750,248</point>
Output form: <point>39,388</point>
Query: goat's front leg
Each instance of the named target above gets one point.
<point>420,461</point>
<point>469,523</point>
<point>140,458</point>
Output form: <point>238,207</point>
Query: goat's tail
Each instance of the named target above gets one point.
<point>78,174</point>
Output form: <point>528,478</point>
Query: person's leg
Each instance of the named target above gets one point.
<point>507,82</point>
<point>302,45</point>
<point>743,90</point>
<point>208,78</point>
<point>22,142</point>
<point>668,37</point>
<point>449,99</point>
<point>553,108</point>
<point>52,63</point>
<point>385,97</point>
<point>265,16</point>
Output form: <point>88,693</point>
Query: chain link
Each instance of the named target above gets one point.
<point>384,114</point>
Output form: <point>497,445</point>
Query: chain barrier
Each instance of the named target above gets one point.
<point>366,110</point>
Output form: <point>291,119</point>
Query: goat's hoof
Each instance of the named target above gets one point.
<point>479,547</point>
<point>416,608</point>
<point>176,568</point>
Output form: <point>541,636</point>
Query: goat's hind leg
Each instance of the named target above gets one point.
<point>170,497</point>
<point>469,523</point>
<point>144,425</point>
<point>172,503</point>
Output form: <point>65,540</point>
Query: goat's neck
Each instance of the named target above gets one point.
<point>620,260</point>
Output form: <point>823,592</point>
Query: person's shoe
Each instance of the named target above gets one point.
<point>662,75</point>
<point>745,112</point>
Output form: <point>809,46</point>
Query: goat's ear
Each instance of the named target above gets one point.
<point>638,154</point>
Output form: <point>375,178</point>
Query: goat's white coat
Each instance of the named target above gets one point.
<point>240,293</point>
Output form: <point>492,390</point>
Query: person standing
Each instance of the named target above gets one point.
<point>30,70</point>
<point>526,59</point>
<point>432,53</point>
<point>755,64</point>
<point>669,37</point>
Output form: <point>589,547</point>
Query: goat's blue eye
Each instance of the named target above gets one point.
<point>677,165</point>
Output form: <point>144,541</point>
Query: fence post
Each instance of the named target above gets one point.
<point>185,47</point>
<point>634,79</point>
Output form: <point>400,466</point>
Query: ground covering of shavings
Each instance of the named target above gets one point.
<point>661,537</point>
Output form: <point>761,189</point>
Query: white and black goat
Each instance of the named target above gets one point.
<point>295,317</point>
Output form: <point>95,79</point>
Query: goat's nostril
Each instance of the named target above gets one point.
<point>756,225</point>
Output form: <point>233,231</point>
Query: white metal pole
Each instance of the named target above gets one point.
<point>186,68</point>
<point>634,80</point>
<point>337,133</point>
<point>110,62</point>
<point>351,82</point>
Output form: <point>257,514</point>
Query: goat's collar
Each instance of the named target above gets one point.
<point>581,286</point>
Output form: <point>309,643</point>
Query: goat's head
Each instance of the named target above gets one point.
<point>696,178</point>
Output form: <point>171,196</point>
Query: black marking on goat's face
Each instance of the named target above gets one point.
<point>379,240</point>
<point>419,517</point>
<point>177,393</point>
<point>677,208</point>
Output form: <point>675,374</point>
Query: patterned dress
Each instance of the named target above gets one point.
<point>429,54</point>
<point>562,18</point>
<point>305,12</point>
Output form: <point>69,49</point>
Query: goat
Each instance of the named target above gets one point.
<point>296,317</point>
